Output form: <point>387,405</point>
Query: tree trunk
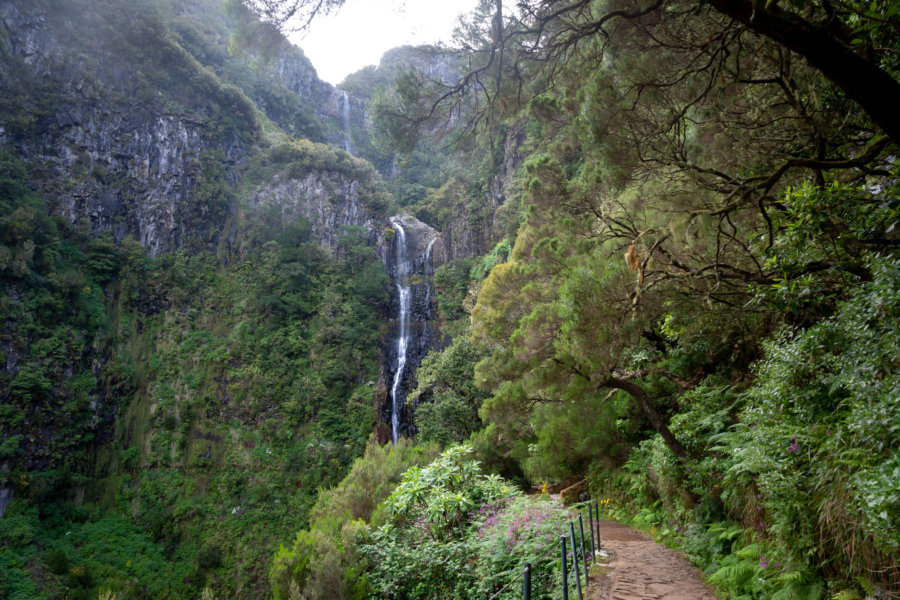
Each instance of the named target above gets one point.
<point>649,410</point>
<point>861,79</point>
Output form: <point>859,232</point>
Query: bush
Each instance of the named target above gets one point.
<point>58,561</point>
<point>323,561</point>
<point>452,532</point>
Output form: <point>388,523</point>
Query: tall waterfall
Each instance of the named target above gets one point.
<point>428,267</point>
<point>345,116</point>
<point>404,292</point>
<point>408,258</point>
<point>6,496</point>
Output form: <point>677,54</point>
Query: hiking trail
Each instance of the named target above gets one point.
<point>638,568</point>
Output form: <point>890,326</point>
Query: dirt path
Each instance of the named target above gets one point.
<point>638,568</point>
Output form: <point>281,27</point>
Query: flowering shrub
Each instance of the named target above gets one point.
<point>509,534</point>
<point>452,532</point>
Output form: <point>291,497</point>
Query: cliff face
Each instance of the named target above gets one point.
<point>128,150</point>
<point>234,369</point>
<point>330,201</point>
<point>103,147</point>
<point>473,233</point>
<point>412,268</point>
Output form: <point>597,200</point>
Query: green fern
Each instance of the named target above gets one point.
<point>846,595</point>
<point>748,552</point>
<point>797,586</point>
<point>734,576</point>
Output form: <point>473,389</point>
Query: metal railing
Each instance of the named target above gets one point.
<point>583,551</point>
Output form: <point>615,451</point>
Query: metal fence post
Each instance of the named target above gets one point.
<point>583,553</point>
<point>591,527</point>
<point>597,510</point>
<point>575,560</point>
<point>526,582</point>
<point>563,567</point>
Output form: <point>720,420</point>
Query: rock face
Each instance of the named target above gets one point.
<point>432,62</point>
<point>466,235</point>
<point>343,114</point>
<point>299,76</point>
<point>111,152</point>
<point>406,250</point>
<point>158,160</point>
<point>329,200</point>
<point>105,157</point>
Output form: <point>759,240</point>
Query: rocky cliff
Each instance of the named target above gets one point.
<point>199,300</point>
<point>330,201</point>
<point>474,228</point>
<point>112,141</point>
<point>130,146</point>
<point>407,251</point>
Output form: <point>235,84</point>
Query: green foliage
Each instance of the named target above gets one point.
<point>818,253</point>
<point>802,458</point>
<point>823,395</point>
<point>455,533</point>
<point>53,309</point>
<point>112,550</point>
<point>439,497</point>
<point>217,366</point>
<point>498,254</point>
<point>446,397</point>
<point>451,282</point>
<point>296,159</point>
<point>526,530</point>
<point>323,561</point>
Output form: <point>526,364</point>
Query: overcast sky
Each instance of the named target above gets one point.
<point>362,30</point>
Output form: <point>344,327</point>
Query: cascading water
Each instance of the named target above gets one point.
<point>404,292</point>
<point>345,116</point>
<point>429,273</point>
<point>6,496</point>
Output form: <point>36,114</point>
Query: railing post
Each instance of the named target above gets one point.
<point>597,510</point>
<point>526,582</point>
<point>563,567</point>
<point>591,527</point>
<point>583,553</point>
<point>575,560</point>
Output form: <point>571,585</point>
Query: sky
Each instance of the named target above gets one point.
<point>362,30</point>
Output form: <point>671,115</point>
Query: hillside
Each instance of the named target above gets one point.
<point>193,301</point>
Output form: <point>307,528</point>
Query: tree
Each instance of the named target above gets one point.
<point>680,141</point>
<point>555,318</point>
<point>839,39</point>
<point>294,15</point>
<point>446,398</point>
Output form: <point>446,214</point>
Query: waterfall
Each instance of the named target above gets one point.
<point>404,292</point>
<point>428,268</point>
<point>6,496</point>
<point>411,272</point>
<point>345,116</point>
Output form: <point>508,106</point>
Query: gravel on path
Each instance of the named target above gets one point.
<point>637,568</point>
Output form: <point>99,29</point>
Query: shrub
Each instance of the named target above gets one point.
<point>452,532</point>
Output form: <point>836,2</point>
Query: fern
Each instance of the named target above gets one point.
<point>791,578</point>
<point>733,576</point>
<point>748,552</point>
<point>797,586</point>
<point>846,595</point>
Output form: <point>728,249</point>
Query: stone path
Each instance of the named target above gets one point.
<point>638,568</point>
